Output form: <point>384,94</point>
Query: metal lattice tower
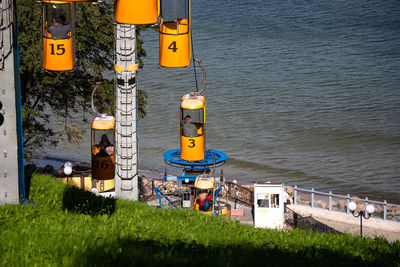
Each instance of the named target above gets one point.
<point>12,189</point>
<point>126,171</point>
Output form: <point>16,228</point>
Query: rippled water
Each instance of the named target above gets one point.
<point>301,92</point>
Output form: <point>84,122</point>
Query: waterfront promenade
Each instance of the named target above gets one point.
<point>347,223</point>
<point>340,221</point>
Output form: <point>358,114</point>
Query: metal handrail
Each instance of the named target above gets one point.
<point>232,193</point>
<point>347,197</point>
<point>158,192</point>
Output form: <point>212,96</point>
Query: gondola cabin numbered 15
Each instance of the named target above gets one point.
<point>103,165</point>
<point>58,33</point>
<point>193,130</point>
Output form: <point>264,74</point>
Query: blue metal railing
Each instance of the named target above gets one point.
<point>158,192</point>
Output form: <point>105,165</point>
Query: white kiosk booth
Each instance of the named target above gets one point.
<point>268,205</point>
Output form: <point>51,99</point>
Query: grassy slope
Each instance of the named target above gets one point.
<point>58,231</point>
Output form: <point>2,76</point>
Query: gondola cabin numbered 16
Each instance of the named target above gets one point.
<point>193,130</point>
<point>58,33</point>
<point>103,165</point>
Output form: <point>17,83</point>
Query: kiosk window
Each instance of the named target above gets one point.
<point>275,200</point>
<point>263,200</point>
<point>268,200</point>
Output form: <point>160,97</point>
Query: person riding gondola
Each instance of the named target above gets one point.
<point>105,147</point>
<point>205,201</point>
<point>189,129</point>
<point>60,30</point>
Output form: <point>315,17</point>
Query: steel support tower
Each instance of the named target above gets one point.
<point>12,189</point>
<point>126,170</point>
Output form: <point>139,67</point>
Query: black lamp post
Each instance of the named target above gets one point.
<point>366,214</point>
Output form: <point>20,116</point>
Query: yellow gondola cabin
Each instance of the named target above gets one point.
<point>136,12</point>
<point>72,1</point>
<point>103,165</point>
<point>58,33</point>
<point>205,197</point>
<point>174,34</point>
<point>193,130</point>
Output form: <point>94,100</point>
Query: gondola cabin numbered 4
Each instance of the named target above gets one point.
<point>58,33</point>
<point>193,130</point>
<point>103,165</point>
<point>174,36</point>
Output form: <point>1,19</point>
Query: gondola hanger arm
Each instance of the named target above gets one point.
<point>201,92</point>
<point>98,114</point>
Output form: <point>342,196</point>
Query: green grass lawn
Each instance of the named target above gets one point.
<point>70,227</point>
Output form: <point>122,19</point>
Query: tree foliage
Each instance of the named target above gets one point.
<point>49,96</point>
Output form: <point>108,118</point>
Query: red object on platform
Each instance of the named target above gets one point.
<point>237,212</point>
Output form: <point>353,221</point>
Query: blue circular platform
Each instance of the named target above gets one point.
<point>173,158</point>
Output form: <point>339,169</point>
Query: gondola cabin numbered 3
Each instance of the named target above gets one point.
<point>193,130</point>
<point>58,33</point>
<point>103,165</point>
